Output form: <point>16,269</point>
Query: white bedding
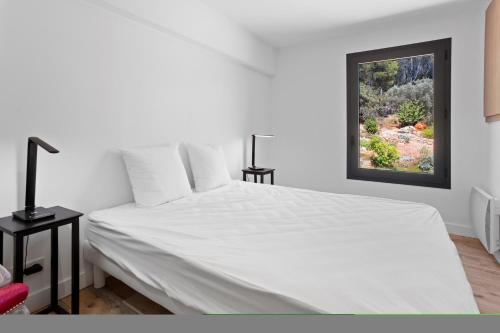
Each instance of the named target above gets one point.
<point>253,248</point>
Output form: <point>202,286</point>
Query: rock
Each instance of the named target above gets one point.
<point>405,138</point>
<point>407,129</point>
<point>406,159</point>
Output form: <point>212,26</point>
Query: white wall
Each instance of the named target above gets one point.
<point>89,81</point>
<point>196,22</point>
<point>309,108</point>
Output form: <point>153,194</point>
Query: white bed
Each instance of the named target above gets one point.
<point>253,248</point>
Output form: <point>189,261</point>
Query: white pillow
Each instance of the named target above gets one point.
<point>208,166</point>
<point>156,174</point>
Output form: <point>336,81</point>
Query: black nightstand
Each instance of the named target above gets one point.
<point>256,173</point>
<point>18,229</point>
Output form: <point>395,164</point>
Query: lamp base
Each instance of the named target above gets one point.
<point>33,215</point>
<point>256,168</point>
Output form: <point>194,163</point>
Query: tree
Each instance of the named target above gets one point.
<point>379,75</point>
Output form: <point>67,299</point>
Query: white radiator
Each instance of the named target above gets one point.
<point>485,216</point>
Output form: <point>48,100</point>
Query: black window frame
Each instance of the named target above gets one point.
<point>441,177</point>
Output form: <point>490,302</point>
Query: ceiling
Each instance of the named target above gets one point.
<point>286,22</point>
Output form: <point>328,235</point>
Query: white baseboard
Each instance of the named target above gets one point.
<point>40,298</point>
<point>459,229</point>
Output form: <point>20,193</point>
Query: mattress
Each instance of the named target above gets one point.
<point>254,248</point>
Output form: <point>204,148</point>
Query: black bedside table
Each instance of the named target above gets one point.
<point>18,229</point>
<point>261,172</point>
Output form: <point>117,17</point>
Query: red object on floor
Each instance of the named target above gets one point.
<point>12,295</point>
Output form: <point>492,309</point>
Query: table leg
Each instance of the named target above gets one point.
<point>54,266</point>
<point>75,268</point>
<point>1,247</point>
<point>255,178</point>
<point>244,176</point>
<point>272,177</point>
<point>262,179</point>
<point>18,258</point>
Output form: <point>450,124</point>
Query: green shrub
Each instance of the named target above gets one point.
<point>420,90</point>
<point>375,102</point>
<point>425,161</point>
<point>371,125</point>
<point>372,103</point>
<point>369,101</point>
<point>411,112</point>
<point>365,143</point>
<point>385,154</point>
<point>428,133</point>
<point>425,165</point>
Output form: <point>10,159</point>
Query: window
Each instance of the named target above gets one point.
<point>398,114</point>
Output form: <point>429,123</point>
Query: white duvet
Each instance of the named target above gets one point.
<point>252,248</point>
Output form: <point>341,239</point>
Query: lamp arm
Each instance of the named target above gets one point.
<point>31,176</point>
<point>253,150</point>
<point>43,144</point>
<point>33,143</point>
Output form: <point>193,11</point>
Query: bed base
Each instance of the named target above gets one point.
<point>99,277</point>
<point>102,265</point>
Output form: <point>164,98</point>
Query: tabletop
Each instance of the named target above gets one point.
<point>11,226</point>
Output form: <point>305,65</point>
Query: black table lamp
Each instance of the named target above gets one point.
<point>30,212</point>
<point>253,167</point>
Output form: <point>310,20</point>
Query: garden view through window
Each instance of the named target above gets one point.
<point>396,114</point>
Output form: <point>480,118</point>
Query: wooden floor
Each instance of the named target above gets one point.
<point>483,273</point>
<point>481,268</point>
<point>115,298</point>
